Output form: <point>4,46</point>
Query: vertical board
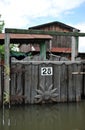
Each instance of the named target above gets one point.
<point>19,86</point>
<point>78,81</point>
<point>34,83</point>
<point>70,84</point>
<point>0,84</point>
<point>74,81</point>
<point>13,79</point>
<point>28,82</point>
<point>48,78</point>
<point>49,83</point>
<point>84,79</point>
<point>63,83</point>
<point>42,79</point>
<point>56,79</point>
<point>7,69</point>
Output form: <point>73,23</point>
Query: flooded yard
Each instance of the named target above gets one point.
<point>44,117</point>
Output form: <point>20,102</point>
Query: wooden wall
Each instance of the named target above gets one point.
<point>83,87</point>
<point>61,41</point>
<point>1,82</point>
<point>58,41</point>
<point>28,85</point>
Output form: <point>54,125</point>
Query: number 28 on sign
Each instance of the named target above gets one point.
<point>46,71</point>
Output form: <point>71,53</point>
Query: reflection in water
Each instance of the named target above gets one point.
<point>44,117</point>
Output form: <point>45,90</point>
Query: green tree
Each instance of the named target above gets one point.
<point>1,29</point>
<point>1,25</point>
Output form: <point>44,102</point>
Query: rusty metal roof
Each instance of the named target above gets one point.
<point>57,49</point>
<point>53,49</point>
<point>25,38</point>
<point>61,50</point>
<point>2,36</point>
<point>29,36</point>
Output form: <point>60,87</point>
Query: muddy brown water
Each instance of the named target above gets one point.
<point>44,117</point>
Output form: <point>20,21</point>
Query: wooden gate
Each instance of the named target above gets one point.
<point>43,82</point>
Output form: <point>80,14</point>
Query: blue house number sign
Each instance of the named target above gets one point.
<point>46,71</point>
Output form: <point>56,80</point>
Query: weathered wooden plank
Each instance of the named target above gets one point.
<point>42,62</point>
<point>73,53</point>
<point>34,83</point>
<point>56,79</point>
<point>84,85</point>
<point>78,82</point>
<point>19,81</point>
<point>0,80</point>
<point>83,80</point>
<point>13,81</point>
<point>70,83</point>
<point>28,82</point>
<point>13,84</point>
<point>74,82</point>
<point>63,83</point>
<point>17,84</point>
<point>0,84</point>
<point>49,81</point>
<point>30,31</point>
<point>42,79</point>
<point>7,70</point>
<point>49,77</point>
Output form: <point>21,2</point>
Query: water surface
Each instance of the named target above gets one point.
<point>44,117</point>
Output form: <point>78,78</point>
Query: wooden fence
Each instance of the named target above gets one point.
<point>83,87</point>
<point>1,82</point>
<point>44,82</point>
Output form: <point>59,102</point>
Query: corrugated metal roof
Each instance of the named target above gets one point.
<point>53,50</point>
<point>2,36</point>
<point>63,50</point>
<point>25,38</point>
<point>56,50</point>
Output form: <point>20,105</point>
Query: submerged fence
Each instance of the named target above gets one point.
<point>44,82</point>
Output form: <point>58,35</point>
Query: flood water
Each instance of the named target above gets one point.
<point>44,117</point>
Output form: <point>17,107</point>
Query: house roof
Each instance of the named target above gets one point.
<point>25,38</point>
<point>59,50</point>
<point>55,23</point>
<point>56,50</point>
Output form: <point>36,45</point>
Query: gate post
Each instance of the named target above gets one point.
<point>43,51</point>
<point>6,95</point>
<point>74,47</point>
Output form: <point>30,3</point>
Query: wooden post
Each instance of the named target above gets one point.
<point>43,51</point>
<point>77,44</point>
<point>7,71</point>
<point>74,52</point>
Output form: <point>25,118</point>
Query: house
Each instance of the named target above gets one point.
<point>60,45</point>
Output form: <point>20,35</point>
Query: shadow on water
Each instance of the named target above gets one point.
<point>44,117</point>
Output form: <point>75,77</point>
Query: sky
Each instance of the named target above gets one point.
<point>27,13</point>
